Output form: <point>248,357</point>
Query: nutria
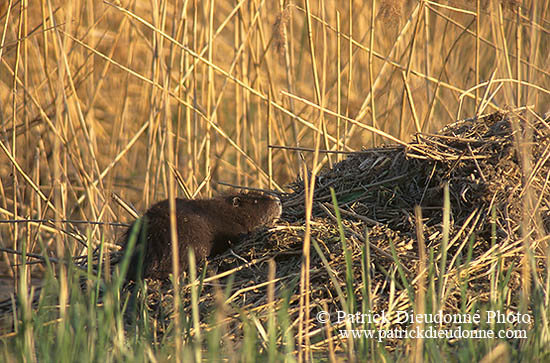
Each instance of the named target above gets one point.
<point>209,226</point>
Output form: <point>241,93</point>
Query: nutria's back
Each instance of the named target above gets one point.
<point>209,226</point>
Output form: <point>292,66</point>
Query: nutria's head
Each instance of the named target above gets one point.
<point>255,208</point>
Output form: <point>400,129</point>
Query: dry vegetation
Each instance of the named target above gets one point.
<point>127,102</point>
<point>377,191</point>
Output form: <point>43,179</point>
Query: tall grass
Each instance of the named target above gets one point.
<point>119,97</point>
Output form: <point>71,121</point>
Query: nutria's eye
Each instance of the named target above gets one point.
<point>236,201</point>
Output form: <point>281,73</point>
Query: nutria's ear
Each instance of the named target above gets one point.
<point>236,202</point>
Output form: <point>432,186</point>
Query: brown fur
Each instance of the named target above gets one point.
<point>209,226</point>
